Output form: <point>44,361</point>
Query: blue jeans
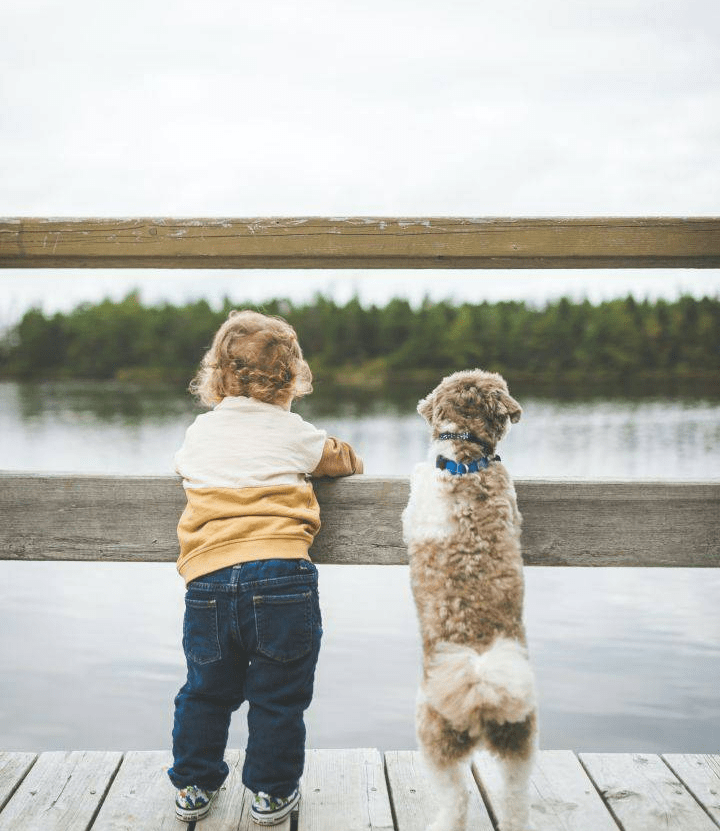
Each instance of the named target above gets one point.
<point>251,632</point>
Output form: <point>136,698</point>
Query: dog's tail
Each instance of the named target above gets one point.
<point>468,687</point>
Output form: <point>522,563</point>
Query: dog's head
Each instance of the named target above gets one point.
<point>472,401</point>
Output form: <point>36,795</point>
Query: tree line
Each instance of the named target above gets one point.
<point>622,337</point>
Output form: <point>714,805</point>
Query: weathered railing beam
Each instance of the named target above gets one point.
<point>104,518</point>
<point>361,242</point>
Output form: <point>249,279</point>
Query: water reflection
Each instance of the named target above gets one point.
<point>106,428</point>
<point>627,659</point>
<point>104,401</point>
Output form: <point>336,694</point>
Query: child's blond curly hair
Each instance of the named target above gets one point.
<point>253,355</point>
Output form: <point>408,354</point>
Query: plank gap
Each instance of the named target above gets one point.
<point>485,796</point>
<point>14,767</point>
<point>681,765</point>
<point>388,786</point>
<point>600,792</point>
<point>645,793</point>
<point>103,796</point>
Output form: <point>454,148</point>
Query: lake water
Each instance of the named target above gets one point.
<point>626,659</point>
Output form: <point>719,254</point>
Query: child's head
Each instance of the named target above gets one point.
<point>256,356</point>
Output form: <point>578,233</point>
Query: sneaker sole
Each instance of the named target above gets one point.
<point>276,817</point>
<point>185,815</point>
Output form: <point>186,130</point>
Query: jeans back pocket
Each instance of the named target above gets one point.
<point>284,625</point>
<point>200,631</point>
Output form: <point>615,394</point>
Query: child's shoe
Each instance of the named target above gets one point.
<point>270,810</point>
<point>192,803</point>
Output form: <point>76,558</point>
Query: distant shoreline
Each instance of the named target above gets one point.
<point>364,382</point>
<point>623,346</point>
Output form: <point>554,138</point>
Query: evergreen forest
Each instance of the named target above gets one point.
<point>621,339</point>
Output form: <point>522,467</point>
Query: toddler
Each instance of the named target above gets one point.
<point>252,623</point>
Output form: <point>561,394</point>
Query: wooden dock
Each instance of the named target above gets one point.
<point>362,790</point>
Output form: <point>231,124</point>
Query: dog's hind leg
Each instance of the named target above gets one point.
<point>445,753</point>
<point>452,798</point>
<point>515,743</point>
<point>516,783</point>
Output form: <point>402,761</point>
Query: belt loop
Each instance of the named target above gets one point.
<point>235,579</point>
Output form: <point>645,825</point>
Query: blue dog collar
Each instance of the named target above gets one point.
<point>460,468</point>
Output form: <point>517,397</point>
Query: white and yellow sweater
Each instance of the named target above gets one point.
<point>245,466</point>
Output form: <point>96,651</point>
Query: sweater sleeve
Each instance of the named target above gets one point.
<point>338,459</point>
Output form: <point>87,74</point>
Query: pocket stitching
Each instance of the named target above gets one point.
<point>280,600</point>
<point>217,654</point>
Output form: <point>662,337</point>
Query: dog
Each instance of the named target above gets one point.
<point>462,529</point>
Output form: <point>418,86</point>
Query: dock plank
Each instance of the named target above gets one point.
<point>644,794</point>
<point>344,790</point>
<point>231,811</point>
<point>700,773</point>
<point>61,792</point>
<point>347,790</point>
<point>13,767</point>
<point>142,798</point>
<point>412,795</point>
<point>562,797</point>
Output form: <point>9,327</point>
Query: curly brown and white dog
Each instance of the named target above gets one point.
<point>462,529</point>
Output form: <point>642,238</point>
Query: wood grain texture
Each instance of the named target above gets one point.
<point>344,790</point>
<point>61,792</point>
<point>700,773</point>
<point>644,794</point>
<point>121,518</point>
<point>347,790</point>
<point>562,797</point>
<point>411,792</point>
<point>141,797</point>
<point>620,523</point>
<point>361,242</point>
<point>231,811</point>
<point>13,768</point>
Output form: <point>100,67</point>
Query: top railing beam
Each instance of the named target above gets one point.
<point>361,242</point>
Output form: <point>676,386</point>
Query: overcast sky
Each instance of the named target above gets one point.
<point>385,107</point>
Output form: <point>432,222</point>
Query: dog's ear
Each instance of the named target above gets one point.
<point>510,407</point>
<point>426,406</point>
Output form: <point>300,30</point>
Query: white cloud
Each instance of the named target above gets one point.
<point>381,108</point>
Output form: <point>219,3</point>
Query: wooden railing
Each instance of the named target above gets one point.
<point>49,517</point>
<point>130,518</point>
<point>361,242</point>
